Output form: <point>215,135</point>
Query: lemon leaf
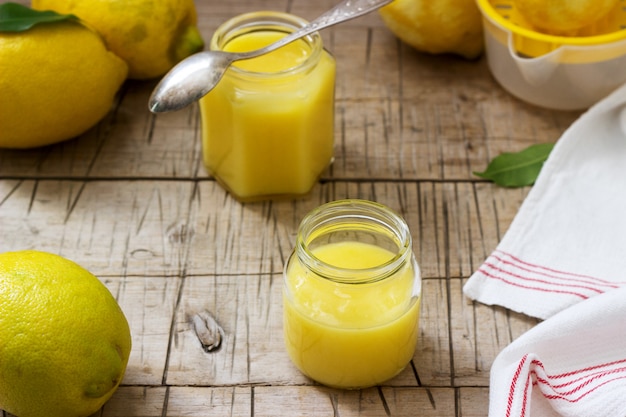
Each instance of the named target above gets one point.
<point>15,17</point>
<point>517,169</point>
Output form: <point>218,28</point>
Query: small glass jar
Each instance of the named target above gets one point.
<point>268,126</point>
<point>351,295</point>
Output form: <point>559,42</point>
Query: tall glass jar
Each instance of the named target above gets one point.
<point>267,127</point>
<point>351,295</point>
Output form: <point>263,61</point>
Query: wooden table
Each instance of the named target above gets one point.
<point>131,201</point>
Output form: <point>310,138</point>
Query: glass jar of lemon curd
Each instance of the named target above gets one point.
<point>351,295</point>
<point>267,127</point>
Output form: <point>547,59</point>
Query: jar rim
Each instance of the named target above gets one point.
<point>250,22</point>
<point>347,211</point>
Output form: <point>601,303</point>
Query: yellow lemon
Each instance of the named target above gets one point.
<point>57,80</point>
<point>440,26</point>
<point>562,17</point>
<point>150,35</point>
<point>64,341</point>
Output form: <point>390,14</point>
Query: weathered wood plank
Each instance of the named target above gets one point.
<point>148,304</point>
<point>432,360</point>
<point>140,144</point>
<point>136,402</point>
<point>248,309</point>
<point>210,402</point>
<point>480,332</point>
<point>112,228</point>
<point>119,228</point>
<point>473,402</point>
<point>266,249</point>
<point>317,401</point>
<point>377,138</point>
<point>265,401</point>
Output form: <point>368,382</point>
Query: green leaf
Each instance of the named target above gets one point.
<point>517,169</point>
<point>18,18</point>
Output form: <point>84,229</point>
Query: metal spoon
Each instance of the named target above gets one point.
<point>198,74</point>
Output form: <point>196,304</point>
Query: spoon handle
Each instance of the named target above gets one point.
<point>346,10</point>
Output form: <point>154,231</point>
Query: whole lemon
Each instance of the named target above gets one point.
<point>150,35</point>
<point>438,26</point>
<point>64,341</point>
<point>57,80</point>
<point>562,17</point>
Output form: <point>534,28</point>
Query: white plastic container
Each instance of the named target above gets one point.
<point>557,72</point>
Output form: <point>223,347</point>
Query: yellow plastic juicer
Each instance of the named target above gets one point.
<point>559,72</point>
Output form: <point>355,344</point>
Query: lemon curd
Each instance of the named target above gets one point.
<point>351,306</point>
<point>267,127</point>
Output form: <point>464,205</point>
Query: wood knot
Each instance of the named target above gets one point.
<point>179,233</point>
<point>209,332</point>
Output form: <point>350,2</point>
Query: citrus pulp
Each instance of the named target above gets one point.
<point>563,17</point>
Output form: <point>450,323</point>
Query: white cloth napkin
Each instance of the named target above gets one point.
<point>564,259</point>
<point>567,243</point>
<point>572,365</point>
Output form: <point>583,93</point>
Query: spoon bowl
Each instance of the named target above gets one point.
<point>192,78</point>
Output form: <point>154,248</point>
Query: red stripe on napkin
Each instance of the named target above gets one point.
<point>571,275</point>
<point>528,287</point>
<point>516,272</point>
<point>576,386</point>
<point>512,388</point>
<point>552,272</point>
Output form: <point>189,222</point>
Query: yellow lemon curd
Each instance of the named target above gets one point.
<point>350,335</point>
<point>268,125</point>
